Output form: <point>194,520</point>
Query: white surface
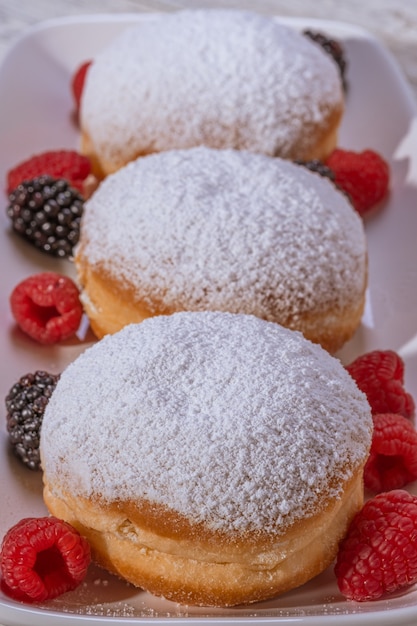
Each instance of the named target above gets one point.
<point>393,21</point>
<point>35,114</point>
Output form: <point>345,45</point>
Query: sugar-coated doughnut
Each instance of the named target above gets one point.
<point>228,230</point>
<point>210,458</point>
<point>221,78</point>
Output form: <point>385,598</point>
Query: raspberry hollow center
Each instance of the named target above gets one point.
<point>392,462</point>
<point>52,569</point>
<point>41,314</point>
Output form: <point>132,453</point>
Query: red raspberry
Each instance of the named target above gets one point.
<point>379,553</point>
<point>67,164</point>
<point>47,307</point>
<point>380,375</point>
<point>364,176</point>
<point>392,462</point>
<point>41,558</point>
<point>77,83</point>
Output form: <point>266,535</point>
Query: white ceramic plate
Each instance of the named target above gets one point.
<point>35,115</point>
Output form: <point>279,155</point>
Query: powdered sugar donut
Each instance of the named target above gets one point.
<point>205,229</point>
<point>221,78</point>
<point>211,458</point>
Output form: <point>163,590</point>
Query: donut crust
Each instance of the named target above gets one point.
<point>192,565</point>
<point>324,141</point>
<point>111,305</point>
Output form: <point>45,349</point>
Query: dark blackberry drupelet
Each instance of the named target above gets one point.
<point>332,47</point>
<point>47,212</point>
<point>319,167</point>
<point>25,404</point>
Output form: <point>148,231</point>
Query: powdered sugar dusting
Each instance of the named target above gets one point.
<point>228,419</point>
<point>223,78</point>
<point>226,230</point>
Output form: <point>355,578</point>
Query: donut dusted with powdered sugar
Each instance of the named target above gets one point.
<point>227,230</point>
<point>221,78</point>
<point>208,457</point>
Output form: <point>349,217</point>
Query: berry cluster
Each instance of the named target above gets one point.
<point>47,213</point>
<point>25,405</point>
<point>362,176</point>
<point>333,48</point>
<point>47,307</point>
<point>318,167</point>
<point>380,375</point>
<point>77,84</point>
<point>379,553</point>
<point>41,558</point>
<point>68,164</point>
<point>392,461</point>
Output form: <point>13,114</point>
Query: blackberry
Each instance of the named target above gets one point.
<point>47,212</point>
<point>25,404</point>
<point>319,167</point>
<point>332,47</point>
